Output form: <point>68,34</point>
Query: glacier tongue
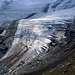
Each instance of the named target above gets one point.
<point>35,41</point>
<point>35,35</point>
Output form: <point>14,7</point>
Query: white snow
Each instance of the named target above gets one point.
<point>62,5</point>
<point>3,33</point>
<point>63,9</point>
<point>18,9</point>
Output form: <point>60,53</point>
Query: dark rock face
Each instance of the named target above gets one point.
<point>46,7</point>
<point>1,30</point>
<point>30,15</point>
<point>5,42</point>
<point>70,31</point>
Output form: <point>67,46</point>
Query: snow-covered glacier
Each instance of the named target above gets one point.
<point>18,9</point>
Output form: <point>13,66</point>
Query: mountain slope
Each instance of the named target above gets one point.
<point>41,35</point>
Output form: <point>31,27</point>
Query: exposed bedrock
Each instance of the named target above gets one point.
<point>7,33</point>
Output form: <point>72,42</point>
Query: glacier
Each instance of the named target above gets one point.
<point>16,9</point>
<point>35,32</point>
